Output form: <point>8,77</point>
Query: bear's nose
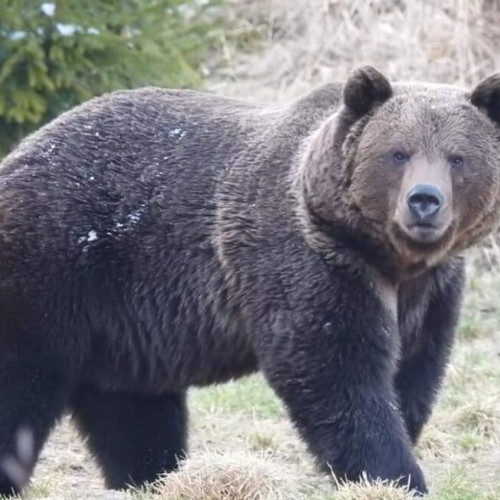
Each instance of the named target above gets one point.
<point>424,201</point>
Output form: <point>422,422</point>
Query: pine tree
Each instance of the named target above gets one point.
<point>54,55</point>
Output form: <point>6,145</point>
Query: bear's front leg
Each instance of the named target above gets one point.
<point>331,358</point>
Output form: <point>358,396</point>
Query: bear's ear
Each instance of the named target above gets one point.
<point>486,96</point>
<point>365,88</point>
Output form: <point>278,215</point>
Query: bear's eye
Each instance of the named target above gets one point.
<point>399,157</point>
<point>456,161</point>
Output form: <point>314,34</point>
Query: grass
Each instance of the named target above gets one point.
<point>247,396</point>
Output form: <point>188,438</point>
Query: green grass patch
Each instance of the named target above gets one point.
<point>458,487</point>
<point>250,395</point>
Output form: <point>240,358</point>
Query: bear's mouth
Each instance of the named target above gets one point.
<point>422,232</point>
<point>422,237</point>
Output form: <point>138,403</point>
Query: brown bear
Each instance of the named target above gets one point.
<point>153,240</point>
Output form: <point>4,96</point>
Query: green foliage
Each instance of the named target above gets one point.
<point>54,55</point>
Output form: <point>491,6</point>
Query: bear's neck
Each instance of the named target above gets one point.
<point>340,238</point>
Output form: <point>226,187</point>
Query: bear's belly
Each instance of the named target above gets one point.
<point>172,352</point>
<point>123,378</point>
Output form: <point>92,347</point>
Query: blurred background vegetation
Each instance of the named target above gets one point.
<point>54,55</point>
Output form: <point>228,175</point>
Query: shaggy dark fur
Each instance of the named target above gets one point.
<point>153,240</point>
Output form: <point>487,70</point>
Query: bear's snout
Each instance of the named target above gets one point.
<point>424,206</point>
<point>424,202</point>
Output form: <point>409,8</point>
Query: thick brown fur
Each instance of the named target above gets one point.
<point>153,240</point>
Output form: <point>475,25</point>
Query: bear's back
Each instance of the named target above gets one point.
<point>96,168</point>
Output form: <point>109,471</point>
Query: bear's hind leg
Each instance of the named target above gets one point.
<point>31,400</point>
<point>134,437</point>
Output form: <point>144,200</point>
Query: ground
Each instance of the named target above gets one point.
<point>242,444</point>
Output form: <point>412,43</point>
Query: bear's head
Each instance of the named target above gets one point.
<point>412,168</point>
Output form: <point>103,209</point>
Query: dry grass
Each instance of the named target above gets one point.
<point>229,476</point>
<point>309,42</point>
<point>243,476</point>
<point>367,491</point>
